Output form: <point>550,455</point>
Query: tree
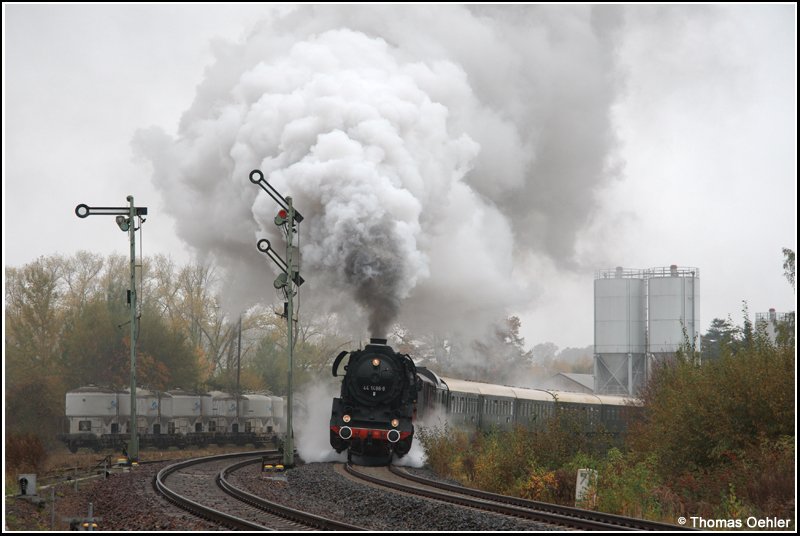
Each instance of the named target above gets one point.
<point>81,275</point>
<point>788,266</point>
<point>33,317</point>
<point>498,357</point>
<point>430,349</point>
<point>316,345</point>
<point>94,348</point>
<point>721,334</point>
<point>575,360</point>
<point>727,405</point>
<point>172,360</point>
<point>272,363</point>
<point>786,329</point>
<point>544,354</point>
<point>729,424</point>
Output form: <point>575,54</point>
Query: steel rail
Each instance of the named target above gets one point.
<point>196,508</point>
<point>620,522</point>
<point>305,518</point>
<point>488,505</point>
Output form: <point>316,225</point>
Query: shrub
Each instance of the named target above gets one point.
<point>632,487</point>
<point>449,451</point>
<point>24,452</point>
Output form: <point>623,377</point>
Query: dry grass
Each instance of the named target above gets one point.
<point>60,463</point>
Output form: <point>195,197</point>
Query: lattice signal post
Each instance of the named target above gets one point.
<point>125,221</point>
<point>287,219</point>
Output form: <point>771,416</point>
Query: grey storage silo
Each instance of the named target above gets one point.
<point>673,309</point>
<point>620,323</point>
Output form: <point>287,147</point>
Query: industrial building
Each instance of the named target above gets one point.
<point>571,382</point>
<point>771,322</point>
<point>641,317</point>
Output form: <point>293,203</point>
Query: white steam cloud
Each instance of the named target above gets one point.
<point>312,423</point>
<point>430,150</point>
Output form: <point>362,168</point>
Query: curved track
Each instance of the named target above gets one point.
<point>200,486</point>
<point>572,518</point>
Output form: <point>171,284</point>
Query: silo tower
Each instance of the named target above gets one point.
<point>772,322</point>
<point>673,298</point>
<point>620,324</point>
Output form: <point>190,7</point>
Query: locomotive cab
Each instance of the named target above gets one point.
<point>372,418</point>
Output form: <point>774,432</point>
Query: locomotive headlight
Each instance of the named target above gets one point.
<point>376,362</point>
<point>346,418</point>
<point>395,423</point>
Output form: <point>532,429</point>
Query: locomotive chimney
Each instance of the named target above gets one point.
<point>378,341</point>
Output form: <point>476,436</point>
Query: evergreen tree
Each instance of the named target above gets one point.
<point>721,334</point>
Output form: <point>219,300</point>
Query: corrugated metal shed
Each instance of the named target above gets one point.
<point>568,381</point>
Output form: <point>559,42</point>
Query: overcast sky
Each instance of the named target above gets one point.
<point>702,109</point>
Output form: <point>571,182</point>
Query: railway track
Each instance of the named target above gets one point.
<point>564,516</point>
<point>200,486</point>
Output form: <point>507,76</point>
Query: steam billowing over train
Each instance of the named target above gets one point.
<point>383,394</point>
<point>383,397</point>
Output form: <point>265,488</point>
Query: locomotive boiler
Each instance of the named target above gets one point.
<point>372,419</point>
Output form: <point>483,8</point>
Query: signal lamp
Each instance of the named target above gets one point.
<point>395,423</point>
<point>281,218</point>
<point>123,223</point>
<point>280,281</point>
<point>346,418</point>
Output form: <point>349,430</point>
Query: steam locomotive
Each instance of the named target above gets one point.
<point>383,393</point>
<point>372,419</point>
